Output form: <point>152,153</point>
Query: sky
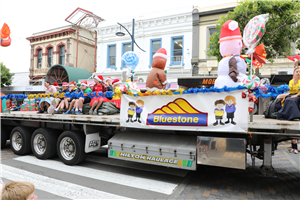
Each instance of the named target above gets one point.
<point>25,17</point>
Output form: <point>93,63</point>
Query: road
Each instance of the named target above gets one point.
<point>102,178</point>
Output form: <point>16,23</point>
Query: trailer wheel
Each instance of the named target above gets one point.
<point>43,143</point>
<point>3,136</point>
<point>70,147</point>
<point>20,140</point>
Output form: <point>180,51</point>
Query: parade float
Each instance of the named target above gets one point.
<point>180,129</point>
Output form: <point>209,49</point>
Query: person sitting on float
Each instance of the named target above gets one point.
<point>82,100</point>
<point>108,83</point>
<point>117,93</point>
<point>64,89</point>
<point>97,101</point>
<point>65,100</point>
<point>72,90</point>
<point>290,109</point>
<point>49,89</point>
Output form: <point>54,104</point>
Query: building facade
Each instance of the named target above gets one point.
<point>171,30</point>
<point>204,24</point>
<point>60,46</point>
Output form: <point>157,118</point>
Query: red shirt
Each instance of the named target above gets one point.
<point>99,88</point>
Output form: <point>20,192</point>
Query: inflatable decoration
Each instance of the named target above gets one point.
<point>131,60</point>
<point>253,32</point>
<point>295,58</point>
<point>232,68</point>
<point>157,79</point>
<point>251,82</point>
<point>5,39</point>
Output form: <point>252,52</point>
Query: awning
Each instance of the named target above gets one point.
<point>61,73</point>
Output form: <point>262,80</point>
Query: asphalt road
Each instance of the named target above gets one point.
<point>100,177</point>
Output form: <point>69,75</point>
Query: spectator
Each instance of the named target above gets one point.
<point>294,147</point>
<point>49,89</point>
<point>18,191</point>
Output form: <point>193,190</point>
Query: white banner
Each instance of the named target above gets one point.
<point>218,112</point>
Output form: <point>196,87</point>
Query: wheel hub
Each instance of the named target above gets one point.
<point>67,148</point>
<point>39,144</point>
<point>17,141</point>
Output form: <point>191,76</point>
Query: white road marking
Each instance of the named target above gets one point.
<point>121,179</point>
<point>54,186</point>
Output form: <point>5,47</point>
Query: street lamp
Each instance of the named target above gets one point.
<point>120,33</point>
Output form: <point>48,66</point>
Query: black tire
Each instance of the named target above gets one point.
<point>4,136</point>
<point>63,150</point>
<point>20,135</point>
<point>43,143</point>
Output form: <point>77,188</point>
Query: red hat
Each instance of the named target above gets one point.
<point>72,83</point>
<point>91,85</point>
<point>161,53</point>
<point>55,84</point>
<point>108,78</point>
<point>116,81</point>
<point>230,30</point>
<point>65,84</point>
<point>84,83</point>
<point>99,78</point>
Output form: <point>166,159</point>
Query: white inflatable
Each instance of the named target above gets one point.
<point>232,68</point>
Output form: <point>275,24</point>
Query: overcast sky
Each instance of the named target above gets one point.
<point>25,17</point>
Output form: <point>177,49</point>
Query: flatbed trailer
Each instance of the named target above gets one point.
<point>73,136</point>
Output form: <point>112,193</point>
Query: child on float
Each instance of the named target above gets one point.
<point>97,101</point>
<point>64,89</point>
<point>82,100</point>
<point>117,93</point>
<point>290,109</point>
<point>65,101</point>
<point>91,86</point>
<point>108,83</point>
<point>71,109</point>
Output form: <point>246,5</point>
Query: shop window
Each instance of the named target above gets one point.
<point>111,56</point>
<point>155,44</point>
<point>176,51</point>
<point>62,55</point>
<point>39,58</point>
<point>50,57</point>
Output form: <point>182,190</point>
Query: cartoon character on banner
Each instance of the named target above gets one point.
<point>51,108</point>
<point>138,110</point>
<point>131,111</point>
<point>232,68</point>
<point>5,39</point>
<point>230,109</point>
<point>157,79</point>
<point>219,111</point>
<point>131,60</point>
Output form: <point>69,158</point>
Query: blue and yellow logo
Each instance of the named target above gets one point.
<point>177,113</point>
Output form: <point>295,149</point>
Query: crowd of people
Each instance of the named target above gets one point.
<point>73,105</point>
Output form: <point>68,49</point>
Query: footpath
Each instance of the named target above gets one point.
<point>222,183</point>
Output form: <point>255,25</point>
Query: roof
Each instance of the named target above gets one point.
<point>73,73</point>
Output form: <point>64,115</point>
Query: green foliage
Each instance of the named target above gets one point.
<point>5,76</point>
<point>281,29</point>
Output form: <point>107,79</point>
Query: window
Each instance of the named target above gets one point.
<point>210,30</point>
<point>177,50</point>
<point>62,55</point>
<point>111,56</point>
<point>50,57</point>
<point>155,44</point>
<point>125,47</point>
<point>40,57</point>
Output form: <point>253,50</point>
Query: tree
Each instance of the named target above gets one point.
<point>281,29</point>
<point>6,76</point>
